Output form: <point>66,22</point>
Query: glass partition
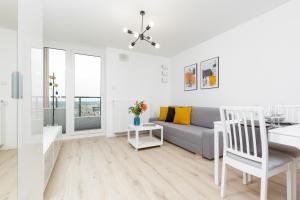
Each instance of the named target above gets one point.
<point>8,101</point>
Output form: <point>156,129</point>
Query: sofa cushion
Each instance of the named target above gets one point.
<point>190,133</point>
<point>204,117</point>
<point>182,115</point>
<point>171,114</point>
<point>163,113</point>
<point>276,159</point>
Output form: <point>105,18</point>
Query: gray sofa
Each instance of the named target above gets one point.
<point>197,137</point>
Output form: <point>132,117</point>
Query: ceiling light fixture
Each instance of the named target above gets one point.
<point>141,35</point>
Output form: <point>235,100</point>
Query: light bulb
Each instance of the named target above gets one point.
<point>125,30</point>
<point>157,45</point>
<point>151,24</point>
<point>150,38</point>
<point>130,46</point>
<point>136,34</point>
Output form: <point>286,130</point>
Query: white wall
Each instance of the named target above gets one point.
<point>259,62</point>
<point>8,64</point>
<point>137,78</point>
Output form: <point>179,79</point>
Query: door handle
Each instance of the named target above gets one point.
<point>17,85</point>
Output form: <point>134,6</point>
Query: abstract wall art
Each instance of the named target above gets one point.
<point>209,73</point>
<point>190,77</point>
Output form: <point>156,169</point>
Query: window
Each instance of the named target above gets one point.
<point>55,97</point>
<point>57,67</point>
<point>87,109</point>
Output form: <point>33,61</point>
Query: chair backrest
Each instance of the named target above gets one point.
<point>291,112</point>
<point>245,133</point>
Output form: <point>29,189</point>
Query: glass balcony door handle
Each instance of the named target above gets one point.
<point>16,85</point>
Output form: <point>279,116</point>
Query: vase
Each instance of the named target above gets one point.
<point>137,121</point>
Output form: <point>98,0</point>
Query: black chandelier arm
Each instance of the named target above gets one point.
<point>152,43</point>
<point>147,37</point>
<point>146,30</point>
<point>147,40</point>
<point>133,43</point>
<point>130,32</point>
<point>148,27</point>
<point>142,25</point>
<point>137,40</point>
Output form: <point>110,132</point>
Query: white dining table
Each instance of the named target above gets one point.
<point>288,135</point>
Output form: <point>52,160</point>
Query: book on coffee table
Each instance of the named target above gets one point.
<point>148,124</point>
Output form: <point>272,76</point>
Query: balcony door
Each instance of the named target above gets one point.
<point>87,105</point>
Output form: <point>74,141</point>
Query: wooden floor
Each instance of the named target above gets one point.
<point>109,169</point>
<point>8,174</point>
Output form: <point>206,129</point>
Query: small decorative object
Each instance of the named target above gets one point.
<point>190,77</point>
<point>142,34</point>
<point>149,124</point>
<point>209,73</point>
<point>274,117</point>
<point>54,87</point>
<point>137,109</point>
<point>164,74</point>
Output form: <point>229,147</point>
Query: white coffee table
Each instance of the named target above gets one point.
<point>143,142</point>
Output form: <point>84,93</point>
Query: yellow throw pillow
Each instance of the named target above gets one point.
<point>183,115</point>
<point>163,113</point>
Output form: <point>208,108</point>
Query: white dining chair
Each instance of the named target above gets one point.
<point>247,150</point>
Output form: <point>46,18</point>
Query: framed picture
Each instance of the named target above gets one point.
<point>209,73</point>
<point>190,77</point>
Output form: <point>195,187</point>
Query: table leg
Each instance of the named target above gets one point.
<point>249,178</point>
<point>150,133</point>
<point>136,140</point>
<point>216,155</point>
<point>290,182</point>
<point>294,181</point>
<point>245,176</point>
<point>128,135</point>
<point>162,135</point>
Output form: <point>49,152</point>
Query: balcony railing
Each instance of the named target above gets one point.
<point>87,106</point>
<point>84,106</point>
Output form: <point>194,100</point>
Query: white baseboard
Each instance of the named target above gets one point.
<point>72,137</point>
<point>119,134</point>
<point>3,147</point>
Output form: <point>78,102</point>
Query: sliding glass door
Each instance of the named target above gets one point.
<point>87,105</point>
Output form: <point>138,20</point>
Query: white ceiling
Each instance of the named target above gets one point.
<point>9,14</point>
<point>179,24</point>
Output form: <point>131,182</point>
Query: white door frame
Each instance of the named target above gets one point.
<point>71,50</point>
<point>92,131</point>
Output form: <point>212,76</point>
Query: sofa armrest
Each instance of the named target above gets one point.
<point>208,144</point>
